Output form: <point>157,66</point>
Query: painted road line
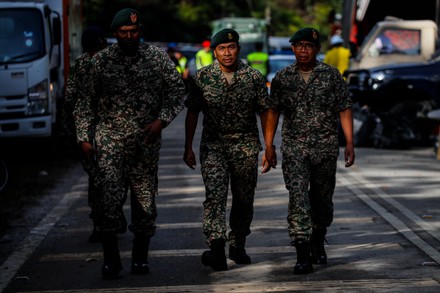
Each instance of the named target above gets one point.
<point>13,263</point>
<point>389,217</point>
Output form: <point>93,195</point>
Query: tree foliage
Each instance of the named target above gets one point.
<point>190,20</point>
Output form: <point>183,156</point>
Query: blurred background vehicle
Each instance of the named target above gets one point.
<point>279,45</point>
<point>278,62</point>
<point>388,32</point>
<point>392,103</point>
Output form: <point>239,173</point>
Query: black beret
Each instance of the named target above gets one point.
<point>127,16</point>
<point>224,36</point>
<point>306,34</point>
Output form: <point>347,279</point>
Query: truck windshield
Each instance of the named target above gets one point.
<point>21,35</point>
<point>396,41</point>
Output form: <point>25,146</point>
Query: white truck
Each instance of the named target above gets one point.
<point>36,40</point>
<point>390,32</point>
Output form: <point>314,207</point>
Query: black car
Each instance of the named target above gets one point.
<point>392,102</point>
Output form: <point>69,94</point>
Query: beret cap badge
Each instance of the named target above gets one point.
<point>230,36</point>
<point>133,17</point>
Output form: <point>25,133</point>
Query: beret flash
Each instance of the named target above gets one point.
<point>307,34</point>
<point>224,36</point>
<point>124,17</point>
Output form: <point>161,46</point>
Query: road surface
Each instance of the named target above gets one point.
<point>384,238</point>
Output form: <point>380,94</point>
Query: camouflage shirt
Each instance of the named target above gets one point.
<point>125,93</point>
<point>229,109</point>
<point>310,110</point>
<point>75,81</point>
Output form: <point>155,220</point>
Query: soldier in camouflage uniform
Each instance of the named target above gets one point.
<point>92,40</point>
<point>311,95</point>
<point>134,91</point>
<point>229,94</point>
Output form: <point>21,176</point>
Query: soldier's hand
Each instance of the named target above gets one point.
<point>269,160</point>
<point>152,131</point>
<point>89,152</point>
<point>349,155</point>
<point>190,158</point>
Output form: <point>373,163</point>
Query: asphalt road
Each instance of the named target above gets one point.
<point>384,238</point>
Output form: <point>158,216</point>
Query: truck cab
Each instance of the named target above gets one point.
<point>397,41</point>
<point>29,63</point>
<point>36,40</point>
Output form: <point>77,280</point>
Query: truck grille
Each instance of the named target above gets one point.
<point>12,107</point>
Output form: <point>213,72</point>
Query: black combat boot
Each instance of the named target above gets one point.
<point>303,264</point>
<point>317,250</point>
<point>139,255</point>
<point>239,255</point>
<point>112,260</point>
<point>216,257</point>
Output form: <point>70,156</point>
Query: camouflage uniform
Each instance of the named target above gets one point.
<point>309,142</point>
<point>77,79</point>
<point>124,94</point>
<point>78,73</point>
<point>229,146</point>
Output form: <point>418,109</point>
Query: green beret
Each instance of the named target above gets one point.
<point>306,34</point>
<point>224,36</point>
<point>124,17</point>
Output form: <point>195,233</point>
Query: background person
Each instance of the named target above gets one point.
<point>92,40</point>
<point>338,56</point>
<point>183,64</point>
<point>311,95</point>
<point>259,59</point>
<point>134,92</point>
<point>229,94</point>
<point>204,56</point>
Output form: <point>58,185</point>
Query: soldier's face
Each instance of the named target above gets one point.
<point>227,54</point>
<point>128,38</point>
<point>305,52</point>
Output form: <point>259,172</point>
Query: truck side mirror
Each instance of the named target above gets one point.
<point>56,23</point>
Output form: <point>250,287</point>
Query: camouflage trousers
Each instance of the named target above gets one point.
<point>217,170</point>
<point>119,163</point>
<point>311,186</point>
<point>93,193</point>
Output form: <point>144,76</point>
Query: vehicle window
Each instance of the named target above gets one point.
<point>21,35</point>
<point>276,65</point>
<point>396,41</point>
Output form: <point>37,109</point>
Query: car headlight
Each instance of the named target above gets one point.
<point>38,99</point>
<point>376,78</point>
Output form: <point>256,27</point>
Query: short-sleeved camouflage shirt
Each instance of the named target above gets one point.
<point>229,109</point>
<point>125,93</point>
<point>310,110</point>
